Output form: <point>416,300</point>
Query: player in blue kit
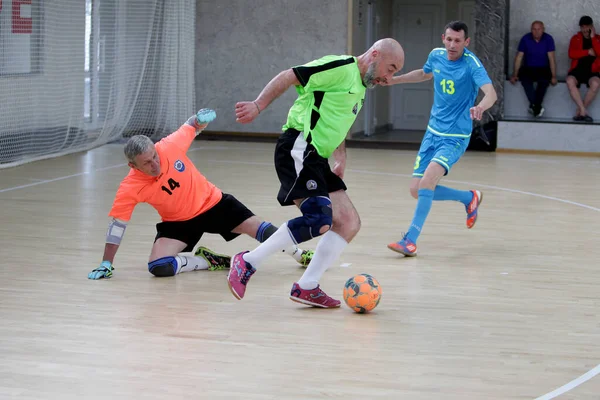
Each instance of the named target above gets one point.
<point>457,75</point>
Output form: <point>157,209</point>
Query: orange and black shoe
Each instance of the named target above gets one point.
<point>404,246</point>
<point>473,208</point>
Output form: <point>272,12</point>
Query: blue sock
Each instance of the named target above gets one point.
<point>423,206</point>
<point>446,193</point>
<point>263,231</point>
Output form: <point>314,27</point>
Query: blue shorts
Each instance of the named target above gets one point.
<point>443,150</point>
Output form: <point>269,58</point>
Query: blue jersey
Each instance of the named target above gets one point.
<point>455,84</point>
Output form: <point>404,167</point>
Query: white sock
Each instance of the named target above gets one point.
<point>295,252</point>
<point>329,249</point>
<point>190,263</point>
<point>280,240</point>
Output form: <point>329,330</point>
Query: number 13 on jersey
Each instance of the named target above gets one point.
<point>447,86</point>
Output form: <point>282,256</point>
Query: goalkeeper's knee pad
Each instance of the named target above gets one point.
<point>316,213</point>
<point>161,267</point>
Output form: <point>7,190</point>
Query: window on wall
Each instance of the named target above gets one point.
<point>100,20</point>
<point>20,36</point>
<point>87,102</point>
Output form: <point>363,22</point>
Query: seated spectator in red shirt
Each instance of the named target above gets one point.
<point>535,63</point>
<point>584,52</point>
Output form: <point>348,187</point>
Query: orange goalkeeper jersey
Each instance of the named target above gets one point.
<point>179,193</point>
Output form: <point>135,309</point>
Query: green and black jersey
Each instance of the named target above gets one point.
<point>330,96</point>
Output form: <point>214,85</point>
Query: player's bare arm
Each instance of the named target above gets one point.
<point>339,155</point>
<point>201,119</point>
<point>518,60</point>
<point>418,75</point>
<point>552,60</point>
<point>488,100</point>
<point>114,235</point>
<point>247,111</point>
<point>199,128</point>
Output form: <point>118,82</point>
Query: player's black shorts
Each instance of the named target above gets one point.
<point>583,77</point>
<point>222,218</point>
<point>301,170</point>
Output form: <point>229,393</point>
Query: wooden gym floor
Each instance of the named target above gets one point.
<point>508,310</point>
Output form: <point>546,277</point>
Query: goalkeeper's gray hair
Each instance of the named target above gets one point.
<point>137,145</point>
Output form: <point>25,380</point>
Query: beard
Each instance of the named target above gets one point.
<point>369,78</point>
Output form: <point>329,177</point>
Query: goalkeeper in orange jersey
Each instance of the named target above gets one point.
<point>189,205</point>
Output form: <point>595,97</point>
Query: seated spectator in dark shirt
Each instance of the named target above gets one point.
<point>584,52</point>
<point>535,63</point>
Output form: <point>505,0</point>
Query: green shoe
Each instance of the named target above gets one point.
<point>306,257</point>
<point>216,262</point>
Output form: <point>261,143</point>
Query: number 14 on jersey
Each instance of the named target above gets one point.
<point>173,184</point>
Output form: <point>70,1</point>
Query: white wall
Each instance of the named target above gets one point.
<point>358,46</point>
<point>241,45</point>
<point>532,136</point>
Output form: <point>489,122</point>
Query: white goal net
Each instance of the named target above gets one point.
<point>75,74</point>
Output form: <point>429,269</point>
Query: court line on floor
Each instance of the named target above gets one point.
<point>60,178</point>
<point>561,390</point>
<point>543,196</point>
<point>571,385</point>
<point>480,185</point>
<point>579,161</point>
